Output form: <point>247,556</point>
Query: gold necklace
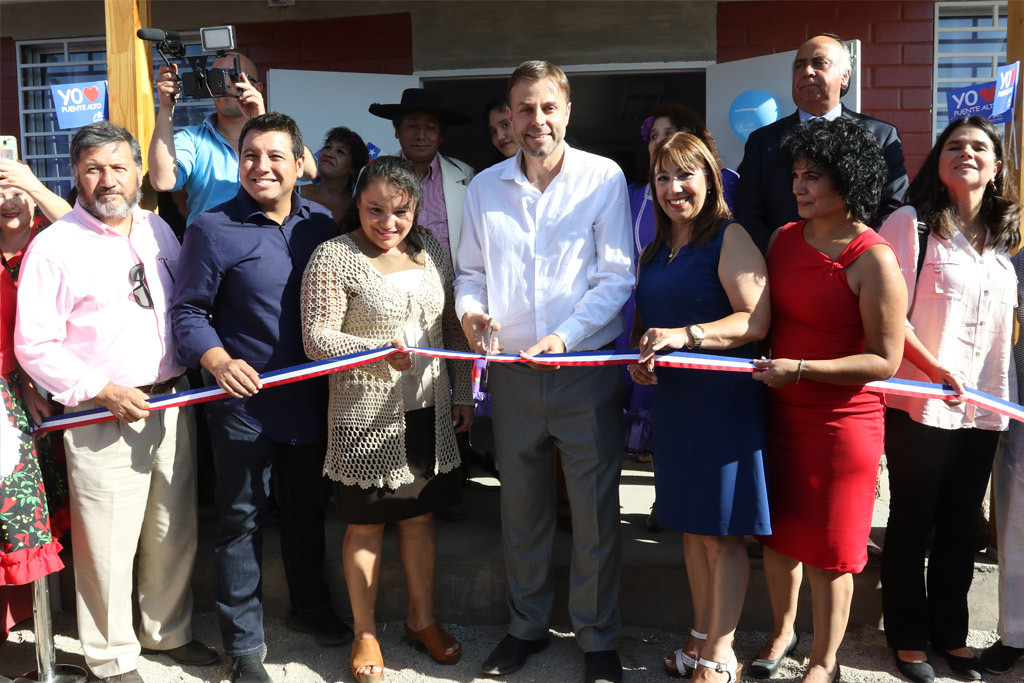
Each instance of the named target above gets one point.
<point>225,136</point>
<point>673,251</point>
<point>972,234</point>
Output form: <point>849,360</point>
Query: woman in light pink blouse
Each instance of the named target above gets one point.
<point>962,290</point>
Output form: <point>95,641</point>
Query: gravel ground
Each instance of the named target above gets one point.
<point>296,658</point>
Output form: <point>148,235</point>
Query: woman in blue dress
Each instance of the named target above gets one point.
<point>702,287</point>
<point>666,118</point>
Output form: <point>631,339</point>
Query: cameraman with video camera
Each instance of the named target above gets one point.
<point>203,159</point>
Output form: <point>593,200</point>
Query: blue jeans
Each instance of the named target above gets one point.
<point>244,460</point>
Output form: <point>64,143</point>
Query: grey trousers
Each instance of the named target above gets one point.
<point>577,411</point>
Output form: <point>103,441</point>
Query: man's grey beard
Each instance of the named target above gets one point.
<point>103,210</point>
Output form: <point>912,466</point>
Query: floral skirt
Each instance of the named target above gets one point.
<point>33,494</point>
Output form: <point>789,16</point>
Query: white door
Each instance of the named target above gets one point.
<point>771,73</point>
<point>321,100</point>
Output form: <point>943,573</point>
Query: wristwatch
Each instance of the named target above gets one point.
<point>696,333</point>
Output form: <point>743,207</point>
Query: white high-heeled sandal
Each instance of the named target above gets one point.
<point>731,668</point>
<point>685,664</point>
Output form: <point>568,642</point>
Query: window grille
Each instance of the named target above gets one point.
<point>970,44</point>
<point>41,63</point>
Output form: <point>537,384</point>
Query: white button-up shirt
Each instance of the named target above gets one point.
<point>961,308</point>
<point>552,262</point>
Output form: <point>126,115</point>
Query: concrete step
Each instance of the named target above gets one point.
<point>471,570</point>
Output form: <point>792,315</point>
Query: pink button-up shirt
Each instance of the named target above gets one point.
<point>78,324</point>
<point>433,212</point>
<point>961,308</point>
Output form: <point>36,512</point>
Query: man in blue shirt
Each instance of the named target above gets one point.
<point>235,312</point>
<point>203,159</point>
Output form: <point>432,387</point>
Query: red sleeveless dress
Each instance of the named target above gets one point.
<point>824,440</point>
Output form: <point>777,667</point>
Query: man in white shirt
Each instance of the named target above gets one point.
<point>545,261</point>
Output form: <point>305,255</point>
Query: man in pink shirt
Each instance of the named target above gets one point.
<point>92,329</point>
<point>420,121</point>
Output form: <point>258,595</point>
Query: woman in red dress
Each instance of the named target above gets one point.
<point>838,302</point>
<point>33,494</point>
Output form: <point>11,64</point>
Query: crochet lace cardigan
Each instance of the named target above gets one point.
<point>349,306</point>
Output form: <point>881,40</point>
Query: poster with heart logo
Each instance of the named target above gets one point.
<point>1006,89</point>
<point>992,100</point>
<point>79,104</point>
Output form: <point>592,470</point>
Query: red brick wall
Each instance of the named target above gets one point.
<point>9,122</point>
<point>372,44</point>
<point>896,45</point>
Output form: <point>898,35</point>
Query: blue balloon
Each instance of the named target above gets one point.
<point>752,110</point>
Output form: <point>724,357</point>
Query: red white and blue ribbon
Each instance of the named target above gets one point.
<point>678,359</point>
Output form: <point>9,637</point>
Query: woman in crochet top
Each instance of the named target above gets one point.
<point>391,445</point>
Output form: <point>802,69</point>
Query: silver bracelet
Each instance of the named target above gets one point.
<point>799,370</point>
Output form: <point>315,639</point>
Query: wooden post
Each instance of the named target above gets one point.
<point>1015,53</point>
<point>130,74</point>
<point>1012,175</point>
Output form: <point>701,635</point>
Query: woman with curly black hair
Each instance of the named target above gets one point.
<point>338,165</point>
<point>952,239</point>
<point>838,303</point>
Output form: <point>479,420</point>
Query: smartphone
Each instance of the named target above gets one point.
<point>8,147</point>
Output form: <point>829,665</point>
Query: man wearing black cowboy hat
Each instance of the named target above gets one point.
<point>420,121</point>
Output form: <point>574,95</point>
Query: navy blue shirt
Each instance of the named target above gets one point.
<point>237,287</point>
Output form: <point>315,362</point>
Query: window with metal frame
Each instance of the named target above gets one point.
<point>970,44</point>
<point>41,63</point>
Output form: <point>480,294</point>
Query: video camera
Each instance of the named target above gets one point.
<point>200,82</point>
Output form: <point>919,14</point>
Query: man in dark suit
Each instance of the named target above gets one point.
<point>764,197</point>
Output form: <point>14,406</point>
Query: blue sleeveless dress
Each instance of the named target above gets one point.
<point>709,469</point>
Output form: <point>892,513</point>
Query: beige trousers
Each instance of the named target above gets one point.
<point>132,489</point>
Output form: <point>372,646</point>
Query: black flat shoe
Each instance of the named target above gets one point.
<point>918,672</point>
<point>510,655</point>
<point>839,674</point>
<point>766,668</point>
<point>602,666</point>
<point>999,658</point>
<point>966,667</point>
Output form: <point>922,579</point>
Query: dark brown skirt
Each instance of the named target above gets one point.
<point>429,492</point>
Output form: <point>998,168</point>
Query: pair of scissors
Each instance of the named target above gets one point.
<point>488,340</point>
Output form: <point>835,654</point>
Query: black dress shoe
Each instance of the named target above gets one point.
<point>602,666</point>
<point>766,668</point>
<point>128,677</point>
<point>511,653</point>
<point>653,525</point>
<point>249,669</point>
<point>999,658</point>
<point>918,672</point>
<point>324,625</point>
<point>192,653</point>
<point>965,667</point>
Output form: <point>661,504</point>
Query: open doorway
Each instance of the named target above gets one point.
<point>607,112</point>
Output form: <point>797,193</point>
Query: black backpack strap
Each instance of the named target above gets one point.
<point>922,244</point>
